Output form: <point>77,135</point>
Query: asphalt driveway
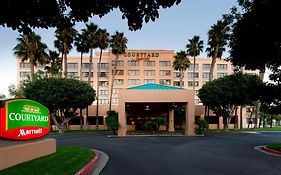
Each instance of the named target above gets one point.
<point>213,154</point>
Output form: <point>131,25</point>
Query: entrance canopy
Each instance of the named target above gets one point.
<point>157,98</point>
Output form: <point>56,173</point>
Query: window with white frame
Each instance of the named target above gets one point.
<point>72,65</point>
<point>103,66</point>
<point>103,83</point>
<point>164,72</point>
<point>118,81</point>
<point>133,81</point>
<point>165,63</point>
<point>149,63</point>
<point>149,81</point>
<point>191,66</point>
<point>133,72</point>
<point>165,81</point>
<point>133,63</point>
<point>149,72</point>
<point>221,74</point>
<point>86,74</point>
<point>24,65</point>
<point>190,75</point>
<point>206,66</point>
<point>190,83</point>
<point>103,101</point>
<point>114,100</point>
<point>221,66</point>
<point>118,63</point>
<point>206,75</point>
<point>103,92</point>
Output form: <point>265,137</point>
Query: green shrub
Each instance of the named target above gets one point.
<point>202,126</point>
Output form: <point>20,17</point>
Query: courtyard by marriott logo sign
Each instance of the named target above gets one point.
<point>136,56</point>
<point>22,119</point>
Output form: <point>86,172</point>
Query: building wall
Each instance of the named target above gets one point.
<point>152,66</point>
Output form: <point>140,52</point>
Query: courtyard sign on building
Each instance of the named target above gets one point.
<point>141,55</point>
<point>22,119</point>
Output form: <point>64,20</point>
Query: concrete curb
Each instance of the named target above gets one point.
<point>266,150</point>
<point>89,167</point>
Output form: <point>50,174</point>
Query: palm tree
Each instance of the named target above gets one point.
<point>31,48</point>
<point>217,40</point>
<point>91,42</point>
<point>65,37</point>
<point>194,48</point>
<point>81,46</point>
<point>54,64</point>
<point>118,44</point>
<point>103,38</point>
<point>181,63</point>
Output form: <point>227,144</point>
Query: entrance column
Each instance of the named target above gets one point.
<point>190,118</point>
<point>221,125</point>
<point>171,121</point>
<point>122,118</point>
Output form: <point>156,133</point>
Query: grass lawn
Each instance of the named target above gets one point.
<point>66,161</point>
<point>275,146</point>
<point>262,129</point>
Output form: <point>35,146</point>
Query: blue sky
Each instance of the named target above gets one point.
<point>171,31</point>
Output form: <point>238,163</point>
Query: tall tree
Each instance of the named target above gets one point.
<point>217,41</point>
<point>181,63</point>
<point>91,42</point>
<point>81,46</point>
<point>65,37</point>
<point>103,38</point>
<point>23,15</point>
<point>61,96</point>
<point>118,44</point>
<point>31,48</point>
<point>194,47</point>
<point>223,95</point>
<point>54,64</point>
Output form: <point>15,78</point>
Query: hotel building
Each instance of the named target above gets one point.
<point>136,68</point>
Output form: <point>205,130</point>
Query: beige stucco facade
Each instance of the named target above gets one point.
<point>134,68</point>
<point>168,98</point>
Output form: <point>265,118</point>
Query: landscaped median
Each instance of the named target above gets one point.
<point>274,148</point>
<point>66,161</point>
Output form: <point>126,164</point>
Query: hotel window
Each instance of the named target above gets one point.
<point>103,83</point>
<point>118,72</point>
<point>190,75</point>
<point>86,65</point>
<point>86,74</point>
<point>103,65</point>
<point>115,91</point>
<point>103,74</point>
<point>118,63</point>
<point>191,67</point>
<point>103,101</point>
<point>103,92</point>
<point>149,81</point>
<point>165,63</point>
<point>149,63</point>
<point>133,72</point>
<point>164,72</point>
<point>133,81</point>
<point>41,66</point>
<point>190,83</point>
<point>219,75</point>
<point>197,101</point>
<point>24,74</point>
<point>133,63</point>
<point>24,65</point>
<point>149,72</point>
<point>204,82</point>
<point>72,74</point>
<point>72,65</point>
<point>206,66</point>
<point>165,81</point>
<point>115,101</point>
<point>205,75</point>
<point>177,83</point>
<point>118,81</point>
<point>221,66</point>
<point>177,75</point>
<point>196,92</point>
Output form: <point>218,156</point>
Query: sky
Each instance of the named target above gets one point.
<point>171,30</point>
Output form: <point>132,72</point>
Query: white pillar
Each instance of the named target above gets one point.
<point>171,121</point>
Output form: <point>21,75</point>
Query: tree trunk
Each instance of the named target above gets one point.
<point>236,118</point>
<point>112,82</point>
<point>257,103</point>
<point>193,73</point>
<point>211,76</point>
<point>81,120</point>
<point>97,97</point>
<point>90,65</point>
<point>181,78</point>
<point>81,62</point>
<point>65,58</point>
<point>241,117</point>
<point>31,64</point>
